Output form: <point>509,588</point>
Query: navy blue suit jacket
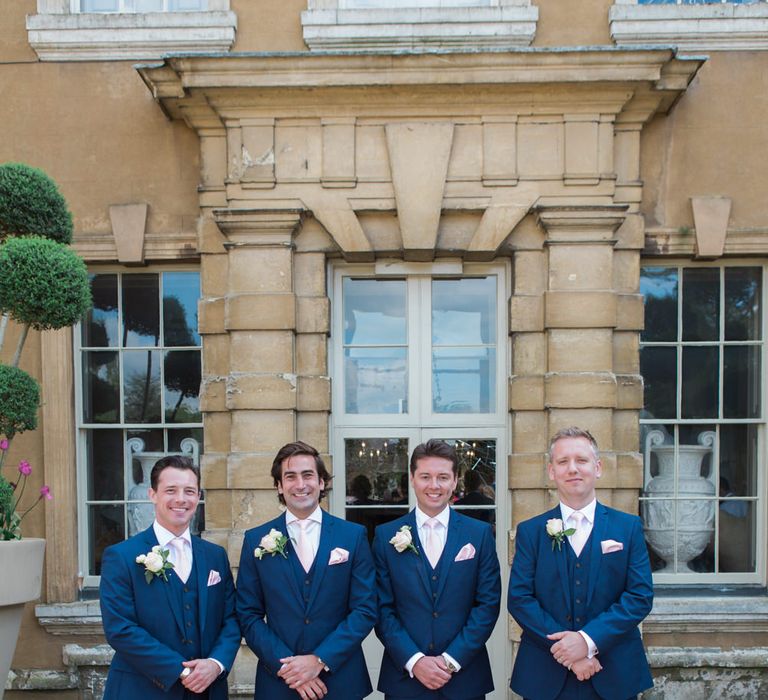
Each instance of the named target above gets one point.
<point>143,621</point>
<point>339,615</point>
<point>458,621</point>
<point>619,596</point>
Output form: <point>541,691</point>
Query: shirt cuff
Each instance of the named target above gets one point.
<point>453,661</point>
<point>218,663</point>
<point>591,646</point>
<point>412,662</point>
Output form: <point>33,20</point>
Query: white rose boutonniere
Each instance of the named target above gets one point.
<point>156,563</point>
<point>557,533</point>
<point>273,542</point>
<point>403,540</point>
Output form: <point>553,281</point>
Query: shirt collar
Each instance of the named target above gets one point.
<point>588,510</point>
<point>315,516</point>
<point>165,536</point>
<point>443,517</point>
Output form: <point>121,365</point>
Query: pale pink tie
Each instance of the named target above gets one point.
<point>432,544</point>
<point>181,563</point>
<point>303,545</point>
<point>578,538</point>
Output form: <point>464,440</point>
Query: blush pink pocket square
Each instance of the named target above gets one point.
<point>466,552</point>
<point>214,577</point>
<point>338,556</point>
<point>609,546</point>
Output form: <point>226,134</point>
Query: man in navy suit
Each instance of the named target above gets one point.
<point>580,586</point>
<point>306,594</point>
<point>439,589</point>
<point>168,600</point>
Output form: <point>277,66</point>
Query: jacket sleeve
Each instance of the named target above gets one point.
<point>123,630</point>
<point>227,642</point>
<point>396,640</point>
<point>485,611</point>
<point>338,646</point>
<point>634,603</point>
<point>522,603</point>
<point>251,611</point>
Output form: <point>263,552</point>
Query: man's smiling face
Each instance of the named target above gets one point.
<point>574,467</point>
<point>176,498</point>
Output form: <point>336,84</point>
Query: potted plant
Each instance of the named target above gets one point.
<point>43,285</point>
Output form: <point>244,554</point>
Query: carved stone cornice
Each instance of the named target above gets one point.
<point>587,224</point>
<point>258,227</point>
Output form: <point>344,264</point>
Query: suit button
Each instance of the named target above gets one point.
<point>578,566</point>
<point>434,595</point>
<point>431,646</point>
<point>434,577</point>
<point>306,583</point>
<point>578,600</point>
<point>434,614</point>
<point>306,621</point>
<point>187,607</point>
<point>189,624</point>
<point>568,617</point>
<point>578,619</point>
<point>578,583</point>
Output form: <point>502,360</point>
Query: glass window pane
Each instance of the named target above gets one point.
<point>464,380</point>
<point>106,524</point>
<point>100,326</point>
<point>141,310</point>
<point>741,381</point>
<point>476,492</point>
<point>375,380</point>
<point>699,382</point>
<point>376,471</point>
<point>187,5</point>
<point>374,312</point>
<point>372,516</point>
<point>148,5</point>
<point>658,522</point>
<point>105,465</point>
<point>153,442</point>
<point>101,387</point>
<point>99,5</point>
<point>141,386</point>
<point>181,292</point>
<point>183,375</point>
<point>701,303</point>
<point>464,311</point>
<point>175,437</point>
<point>738,460</point>
<point>743,291</point>
<point>659,287</point>
<point>737,536</point>
<point>658,365</point>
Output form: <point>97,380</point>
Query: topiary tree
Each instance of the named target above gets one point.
<point>31,204</point>
<point>19,401</point>
<point>43,284</point>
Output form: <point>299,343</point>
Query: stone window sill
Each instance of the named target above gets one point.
<point>420,29</point>
<point>119,37</point>
<point>82,617</point>
<point>707,613</point>
<point>711,27</point>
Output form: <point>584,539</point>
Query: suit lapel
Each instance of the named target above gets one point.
<point>421,559</point>
<point>173,600</point>
<point>322,557</point>
<point>560,558</point>
<point>201,567</point>
<point>598,535</point>
<point>451,549</point>
<point>286,565</point>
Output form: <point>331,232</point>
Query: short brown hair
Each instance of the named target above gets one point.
<point>291,450</point>
<point>435,448</point>
<point>572,432</point>
<point>175,461</point>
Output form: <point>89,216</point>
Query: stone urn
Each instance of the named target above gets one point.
<point>677,520</point>
<point>141,512</point>
<point>21,562</point>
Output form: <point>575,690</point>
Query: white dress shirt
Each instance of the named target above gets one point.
<point>312,530</point>
<point>163,538</point>
<point>441,533</point>
<point>586,524</point>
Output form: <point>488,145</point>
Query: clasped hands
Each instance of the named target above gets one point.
<point>570,650</point>
<point>204,672</point>
<point>301,674</point>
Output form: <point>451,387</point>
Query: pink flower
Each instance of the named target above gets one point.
<point>25,468</point>
<point>45,492</point>
<point>3,444</point>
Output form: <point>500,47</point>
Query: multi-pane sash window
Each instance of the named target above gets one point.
<point>702,427</point>
<point>140,5</point>
<point>139,377</point>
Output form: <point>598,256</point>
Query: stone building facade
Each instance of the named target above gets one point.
<point>385,221</point>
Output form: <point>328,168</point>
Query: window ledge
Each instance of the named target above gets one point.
<point>80,617</point>
<point>707,613</point>
<point>414,29</point>
<point>720,27</point>
<point>706,657</point>
<point>119,37</point>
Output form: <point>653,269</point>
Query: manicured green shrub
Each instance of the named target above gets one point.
<point>19,401</point>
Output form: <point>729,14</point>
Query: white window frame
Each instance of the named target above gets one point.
<point>60,32</point>
<point>422,423</point>
<point>83,502</point>
<point>129,6</point>
<point>719,26</point>
<point>418,25</point>
<point>761,491</point>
